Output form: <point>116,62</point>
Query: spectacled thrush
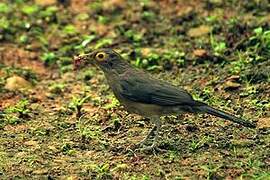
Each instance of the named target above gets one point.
<point>142,94</point>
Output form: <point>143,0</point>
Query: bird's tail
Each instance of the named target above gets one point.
<point>224,115</point>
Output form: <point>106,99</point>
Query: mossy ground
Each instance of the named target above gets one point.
<point>217,50</point>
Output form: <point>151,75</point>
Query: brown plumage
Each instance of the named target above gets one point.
<point>149,97</point>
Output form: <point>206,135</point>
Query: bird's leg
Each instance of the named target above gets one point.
<point>150,133</point>
<point>157,125</point>
<point>154,143</point>
<point>155,130</point>
<point>156,122</point>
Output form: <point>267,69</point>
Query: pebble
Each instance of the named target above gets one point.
<point>199,31</point>
<point>45,2</point>
<point>17,83</point>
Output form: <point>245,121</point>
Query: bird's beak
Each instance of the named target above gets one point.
<point>82,61</point>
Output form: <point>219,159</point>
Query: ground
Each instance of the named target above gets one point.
<point>58,123</point>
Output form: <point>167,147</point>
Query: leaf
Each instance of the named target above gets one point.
<point>258,30</point>
<point>70,29</point>
<point>29,10</point>
<point>4,8</point>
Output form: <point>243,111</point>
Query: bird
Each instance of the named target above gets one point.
<point>142,94</point>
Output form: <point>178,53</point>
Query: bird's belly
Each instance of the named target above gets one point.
<point>150,109</point>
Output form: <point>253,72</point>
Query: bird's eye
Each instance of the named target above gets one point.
<point>101,56</point>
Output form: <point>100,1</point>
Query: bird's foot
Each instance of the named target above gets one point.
<point>153,148</point>
<point>147,138</point>
<point>141,143</point>
<point>138,145</point>
<point>144,148</point>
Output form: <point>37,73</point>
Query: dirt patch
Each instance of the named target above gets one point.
<point>20,58</point>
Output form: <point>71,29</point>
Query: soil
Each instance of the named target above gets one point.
<point>219,51</point>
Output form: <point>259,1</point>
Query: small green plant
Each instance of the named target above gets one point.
<point>254,163</point>
<point>237,66</point>
<point>260,105</point>
<point>49,12</point>
<point>218,47</point>
<point>154,60</point>
<point>148,16</point>
<point>258,176</point>
<point>86,40</point>
<point>21,108</point>
<point>103,19</point>
<point>176,56</point>
<point>103,43</point>
<point>30,9</point>
<point>211,170</point>
<point>23,39</point>
<point>116,123</point>
<point>67,149</point>
<point>57,88</point>
<point>113,103</point>
<point>96,6</point>
<point>48,58</point>
<point>77,103</point>
<point>82,16</point>
<point>145,177</point>
<point>15,114</point>
<point>259,43</point>
<point>9,118</point>
<point>211,19</point>
<point>4,23</point>
<point>88,131</point>
<point>42,39</point>
<point>195,144</point>
<point>70,30</point>
<point>4,8</point>
<point>133,36</point>
<point>150,62</point>
<point>207,93</point>
<point>172,155</point>
<point>103,171</point>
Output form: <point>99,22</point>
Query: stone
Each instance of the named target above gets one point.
<point>200,53</point>
<point>199,31</point>
<point>230,85</point>
<point>17,83</point>
<point>264,122</point>
<point>45,2</point>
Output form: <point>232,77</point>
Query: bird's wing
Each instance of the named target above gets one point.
<point>151,91</point>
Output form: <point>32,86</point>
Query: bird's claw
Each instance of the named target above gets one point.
<point>152,148</point>
<point>141,143</point>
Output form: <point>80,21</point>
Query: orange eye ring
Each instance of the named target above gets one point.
<point>101,56</point>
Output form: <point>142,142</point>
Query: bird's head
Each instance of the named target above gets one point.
<point>106,59</point>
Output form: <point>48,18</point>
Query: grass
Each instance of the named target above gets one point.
<point>69,124</point>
